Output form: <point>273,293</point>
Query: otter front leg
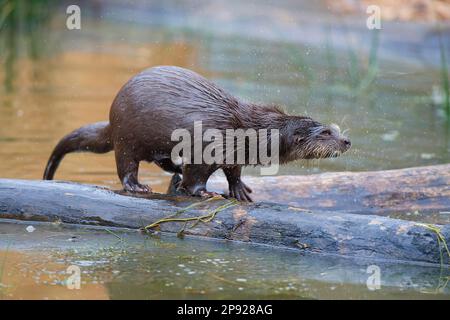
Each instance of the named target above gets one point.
<point>237,188</point>
<point>194,179</point>
<point>127,169</point>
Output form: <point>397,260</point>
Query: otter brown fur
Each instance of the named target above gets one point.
<point>151,105</point>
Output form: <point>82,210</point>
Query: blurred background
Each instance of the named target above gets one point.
<point>389,87</point>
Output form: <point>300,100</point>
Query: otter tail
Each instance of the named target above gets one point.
<point>95,137</point>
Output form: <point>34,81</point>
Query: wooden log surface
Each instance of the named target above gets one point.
<point>420,194</point>
<point>278,224</point>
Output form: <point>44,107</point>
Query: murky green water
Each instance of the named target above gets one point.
<point>53,80</point>
<point>133,266</point>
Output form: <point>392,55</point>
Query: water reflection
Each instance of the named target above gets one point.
<point>131,266</point>
<point>22,27</point>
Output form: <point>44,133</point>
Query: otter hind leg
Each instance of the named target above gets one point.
<point>174,184</point>
<point>127,169</point>
<point>167,165</point>
<point>194,179</point>
<point>237,188</point>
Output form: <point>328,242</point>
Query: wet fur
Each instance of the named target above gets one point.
<point>154,103</point>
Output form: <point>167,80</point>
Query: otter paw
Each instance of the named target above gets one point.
<point>138,188</point>
<point>241,192</point>
<point>208,194</point>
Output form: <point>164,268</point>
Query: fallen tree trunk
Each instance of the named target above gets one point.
<point>364,236</point>
<point>420,194</point>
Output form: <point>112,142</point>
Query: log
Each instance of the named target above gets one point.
<point>419,194</point>
<point>328,232</point>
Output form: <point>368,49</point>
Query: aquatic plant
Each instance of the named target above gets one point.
<point>331,58</point>
<point>21,30</point>
<point>203,218</point>
<point>114,234</point>
<point>442,243</point>
<point>362,77</point>
<point>372,69</point>
<point>445,83</point>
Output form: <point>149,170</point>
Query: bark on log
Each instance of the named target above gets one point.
<point>420,194</point>
<point>365,236</point>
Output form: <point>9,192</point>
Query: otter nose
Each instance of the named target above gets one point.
<point>347,142</point>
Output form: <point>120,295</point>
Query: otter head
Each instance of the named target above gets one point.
<point>309,139</point>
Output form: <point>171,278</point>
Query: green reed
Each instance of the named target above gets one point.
<point>444,77</point>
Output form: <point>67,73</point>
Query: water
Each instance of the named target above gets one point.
<point>129,265</point>
<point>53,80</point>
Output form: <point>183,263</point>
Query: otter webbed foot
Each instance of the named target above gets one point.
<point>198,192</point>
<point>237,188</point>
<point>194,180</point>
<point>138,188</point>
<point>240,191</point>
<point>127,170</point>
<point>207,194</point>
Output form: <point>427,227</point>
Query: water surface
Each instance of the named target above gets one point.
<point>129,265</point>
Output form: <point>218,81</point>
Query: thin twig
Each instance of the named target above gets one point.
<point>203,218</point>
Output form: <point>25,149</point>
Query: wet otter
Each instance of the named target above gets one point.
<point>159,100</point>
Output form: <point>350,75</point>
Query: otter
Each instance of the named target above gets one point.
<point>159,100</point>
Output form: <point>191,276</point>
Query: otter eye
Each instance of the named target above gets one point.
<point>326,132</point>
